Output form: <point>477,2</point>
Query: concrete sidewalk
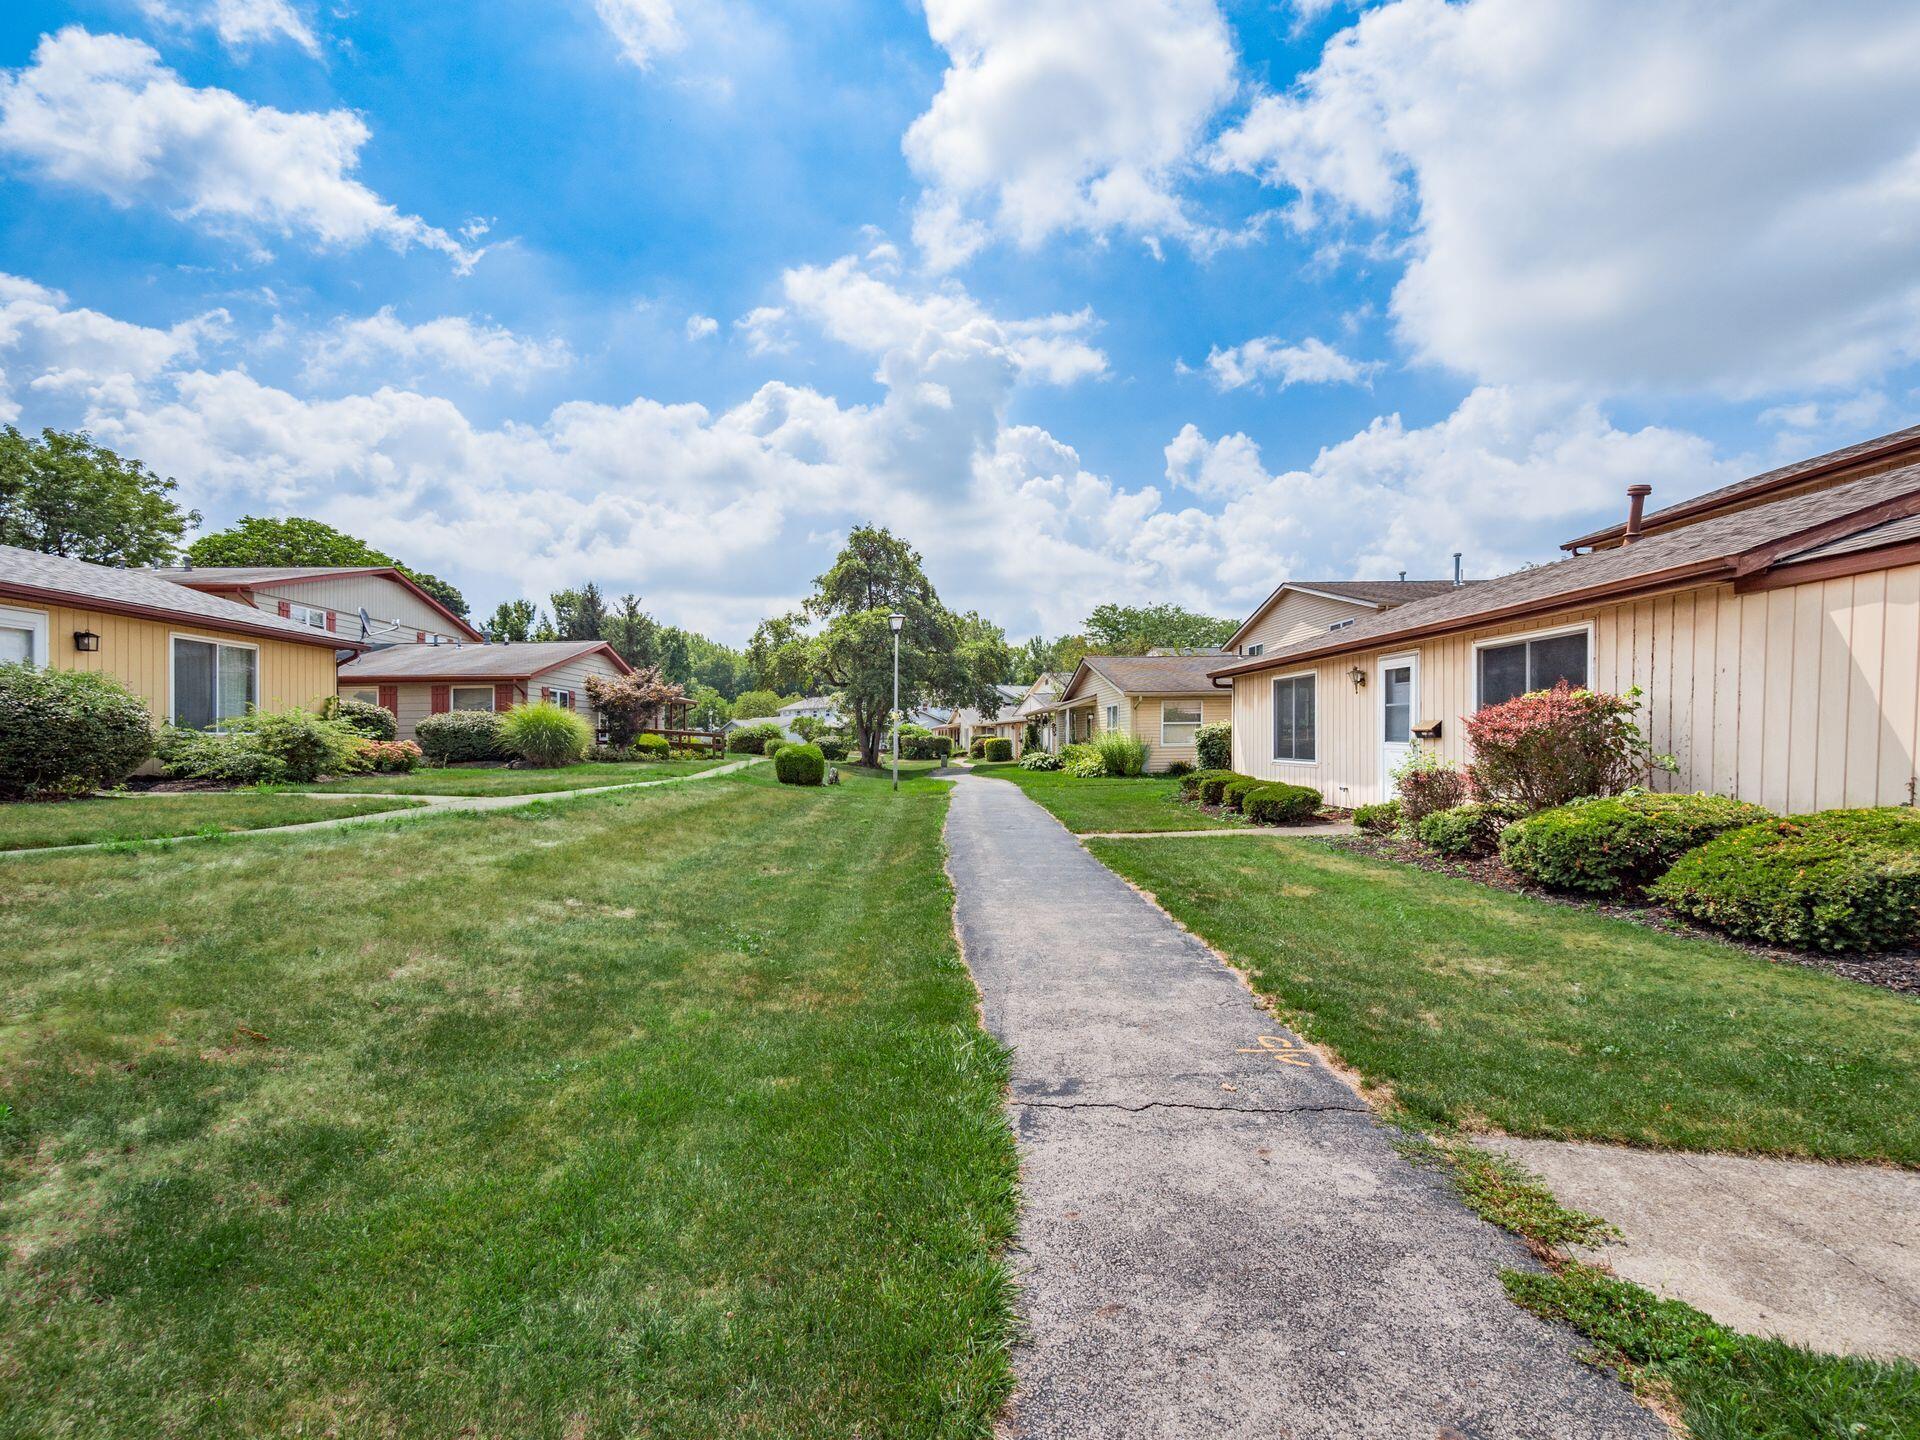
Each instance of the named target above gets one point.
<point>1217,1240</point>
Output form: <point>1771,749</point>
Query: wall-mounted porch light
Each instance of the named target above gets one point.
<point>1358,676</point>
<point>86,641</point>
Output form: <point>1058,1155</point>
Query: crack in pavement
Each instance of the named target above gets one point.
<point>1193,1105</point>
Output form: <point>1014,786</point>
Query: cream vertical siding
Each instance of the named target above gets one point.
<point>1799,698</point>
<point>1139,716</point>
<point>1296,617</point>
<point>137,652</point>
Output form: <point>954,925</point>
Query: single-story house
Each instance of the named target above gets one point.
<point>415,681</point>
<point>195,659</point>
<point>1161,698</point>
<point>373,603</point>
<point>1774,626</point>
<point>1298,609</point>
<point>965,724</point>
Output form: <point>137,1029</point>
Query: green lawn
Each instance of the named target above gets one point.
<point>461,780</point>
<point>1144,804</point>
<point>1480,1008</point>
<point>148,817</point>
<point>660,1113</point>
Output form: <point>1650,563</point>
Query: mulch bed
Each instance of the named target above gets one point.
<point>1897,970</point>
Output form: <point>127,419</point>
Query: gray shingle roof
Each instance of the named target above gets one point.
<point>108,587</point>
<point>465,662</point>
<point>263,574</point>
<point>1156,674</point>
<point>1543,587</point>
<point>1894,532</point>
<point>1377,592</point>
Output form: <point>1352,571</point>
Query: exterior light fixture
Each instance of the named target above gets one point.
<point>1358,676</point>
<point>86,641</point>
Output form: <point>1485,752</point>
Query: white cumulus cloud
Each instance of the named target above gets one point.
<point>1623,193</point>
<point>1267,357</point>
<point>643,29</point>
<point>450,344</point>
<point>240,24</point>
<point>101,112</point>
<point>702,327</point>
<point>1065,115</point>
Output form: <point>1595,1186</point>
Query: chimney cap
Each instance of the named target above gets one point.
<point>1640,488</point>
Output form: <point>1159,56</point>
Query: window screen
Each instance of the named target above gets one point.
<point>213,683</point>
<point>1293,729</point>
<point>1528,665</point>
<point>1396,694</point>
<point>16,646</point>
<point>1179,719</point>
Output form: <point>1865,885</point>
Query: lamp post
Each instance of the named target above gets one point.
<point>894,622</point>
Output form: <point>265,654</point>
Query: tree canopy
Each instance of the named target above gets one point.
<point>1135,629</point>
<point>839,640</point>
<point>295,540</point>
<point>61,494</point>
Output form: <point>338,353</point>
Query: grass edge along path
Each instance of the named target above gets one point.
<point>659,1113</point>
<point>1140,805</point>
<point>113,819</point>
<point>465,781</point>
<point>1482,1010</point>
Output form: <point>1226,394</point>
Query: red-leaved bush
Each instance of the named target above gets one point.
<point>1556,745</point>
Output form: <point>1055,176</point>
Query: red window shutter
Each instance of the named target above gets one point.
<point>545,693</point>
<point>502,696</point>
<point>286,611</point>
<point>442,699</point>
<point>331,627</point>
<point>390,698</point>
<point>419,637</point>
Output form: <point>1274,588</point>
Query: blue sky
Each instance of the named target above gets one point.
<point>1090,299</point>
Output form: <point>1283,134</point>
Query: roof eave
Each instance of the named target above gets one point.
<point>76,601</point>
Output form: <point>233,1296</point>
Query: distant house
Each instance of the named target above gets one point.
<point>1160,698</point>
<point>415,681</point>
<point>334,598</point>
<point>1773,624</point>
<point>968,724</point>
<point>818,708</point>
<point>1300,609</point>
<point>195,659</point>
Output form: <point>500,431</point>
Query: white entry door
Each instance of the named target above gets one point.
<point>1399,697</point>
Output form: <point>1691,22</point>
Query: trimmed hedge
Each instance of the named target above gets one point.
<point>1281,804</point>
<point>376,722</point>
<point>65,732</point>
<point>999,748</point>
<point>1213,746</point>
<point>800,765</point>
<point>834,747</point>
<point>456,735</point>
<point>917,743</point>
<point>652,747</point>
<point>1616,844</point>
<point>752,739</point>
<point>1213,788</point>
<point>1381,819</point>
<point>1191,782</point>
<point>1839,880</point>
<point>1467,830</point>
<point>1233,795</point>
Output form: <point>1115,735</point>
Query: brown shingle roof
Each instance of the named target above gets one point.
<point>1864,452</point>
<point>1154,674</point>
<point>225,577</point>
<point>29,574</point>
<point>1702,552</point>
<point>471,662</point>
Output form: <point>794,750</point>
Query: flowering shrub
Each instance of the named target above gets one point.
<point>390,757</point>
<point>1550,746</point>
<point>1427,783</point>
<point>1214,744</point>
<point>1039,760</point>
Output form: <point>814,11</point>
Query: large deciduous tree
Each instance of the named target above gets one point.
<point>61,494</point>
<point>839,640</point>
<point>295,540</point>
<point>1134,629</point>
<point>512,622</point>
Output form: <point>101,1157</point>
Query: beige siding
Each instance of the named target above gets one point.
<point>1139,716</point>
<point>1296,617</point>
<point>136,652</point>
<point>1797,698</point>
<point>573,676</point>
<point>384,600</point>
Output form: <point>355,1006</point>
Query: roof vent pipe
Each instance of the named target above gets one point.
<point>1403,577</point>
<point>1636,507</point>
<point>1456,567</point>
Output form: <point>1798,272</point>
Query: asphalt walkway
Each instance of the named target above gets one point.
<point>1217,1240</point>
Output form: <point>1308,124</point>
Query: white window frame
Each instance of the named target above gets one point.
<point>1495,642</point>
<point>453,690</point>
<point>1253,650</point>
<point>1199,709</point>
<point>564,696</point>
<point>36,623</point>
<point>1113,717</point>
<point>1273,716</point>
<point>173,709</point>
<point>312,616</point>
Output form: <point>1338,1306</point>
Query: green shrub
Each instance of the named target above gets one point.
<point>376,722</point>
<point>1039,760</point>
<point>1466,830</point>
<point>1120,753</point>
<point>1191,782</point>
<point>305,742</point>
<point>234,759</point>
<point>457,735</point>
<point>1178,769</point>
<point>919,743</point>
<point>1234,793</point>
<point>1280,804</point>
<point>978,749</point>
<point>834,747</point>
<point>1214,746</point>
<point>1611,845</point>
<point>998,750</point>
<point>653,747</point>
<point>773,748</point>
<point>65,732</point>
<point>1838,880</point>
<point>1381,819</point>
<point>752,739</point>
<point>1082,761</point>
<point>800,765</point>
<point>389,757</point>
<point>545,734</point>
<point>1213,788</point>
<point>1427,782</point>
